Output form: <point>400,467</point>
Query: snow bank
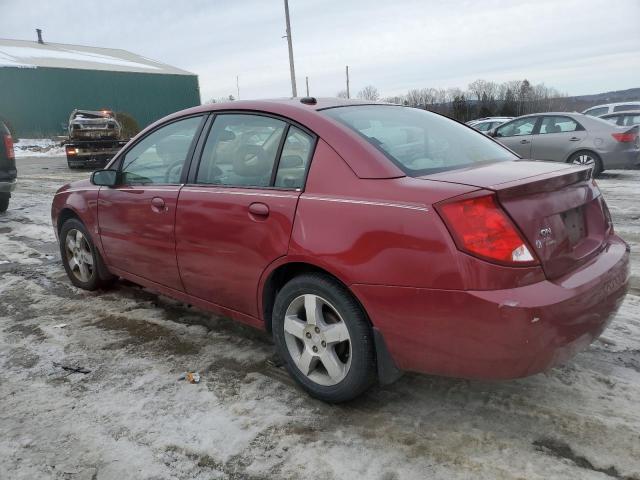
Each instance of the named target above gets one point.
<point>38,147</point>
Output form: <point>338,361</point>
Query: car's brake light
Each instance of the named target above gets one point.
<point>8,146</point>
<point>625,137</point>
<point>71,150</point>
<point>481,228</point>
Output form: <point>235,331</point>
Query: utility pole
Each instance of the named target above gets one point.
<point>307,80</point>
<point>294,90</point>
<point>238,86</point>
<point>348,94</point>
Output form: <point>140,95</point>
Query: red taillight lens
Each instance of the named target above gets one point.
<point>625,137</point>
<point>8,146</point>
<point>480,227</point>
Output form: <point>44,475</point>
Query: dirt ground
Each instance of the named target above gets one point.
<point>130,417</point>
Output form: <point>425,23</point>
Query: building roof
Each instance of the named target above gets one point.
<point>27,54</point>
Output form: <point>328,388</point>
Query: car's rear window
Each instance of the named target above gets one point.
<point>627,106</point>
<point>417,141</point>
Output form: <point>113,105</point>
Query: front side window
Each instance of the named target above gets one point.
<point>626,107</point>
<point>159,157</point>
<point>241,150</point>
<point>558,125</point>
<point>483,127</point>
<point>523,126</point>
<point>417,141</point>
<point>596,112</point>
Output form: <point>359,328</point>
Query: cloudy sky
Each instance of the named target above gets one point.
<point>577,46</point>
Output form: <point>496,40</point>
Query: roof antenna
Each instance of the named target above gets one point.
<point>39,32</point>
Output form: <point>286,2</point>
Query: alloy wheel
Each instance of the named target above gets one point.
<point>584,159</point>
<point>317,339</point>
<point>79,256</point>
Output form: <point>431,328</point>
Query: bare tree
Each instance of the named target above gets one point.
<point>369,93</point>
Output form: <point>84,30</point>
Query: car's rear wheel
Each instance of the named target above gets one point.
<point>4,202</point>
<point>588,159</point>
<point>82,261</point>
<point>324,338</point>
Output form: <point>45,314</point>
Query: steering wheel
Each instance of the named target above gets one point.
<point>251,161</point>
<point>174,170</point>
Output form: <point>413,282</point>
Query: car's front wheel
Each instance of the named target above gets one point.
<point>324,338</point>
<point>82,261</point>
<point>4,202</point>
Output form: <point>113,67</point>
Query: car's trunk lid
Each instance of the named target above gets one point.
<point>557,207</point>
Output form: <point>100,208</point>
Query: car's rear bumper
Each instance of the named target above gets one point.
<point>499,334</point>
<point>624,159</point>
<point>7,186</point>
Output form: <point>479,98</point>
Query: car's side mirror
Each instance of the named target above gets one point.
<point>493,133</point>
<point>105,178</point>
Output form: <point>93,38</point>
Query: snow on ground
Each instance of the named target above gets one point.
<point>38,147</point>
<point>131,418</point>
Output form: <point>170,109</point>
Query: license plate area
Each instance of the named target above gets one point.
<point>574,225</point>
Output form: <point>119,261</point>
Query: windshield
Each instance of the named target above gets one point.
<point>417,141</point>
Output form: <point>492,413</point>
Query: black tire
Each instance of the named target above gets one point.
<point>97,275</point>
<point>597,167</point>
<point>361,370</point>
<point>4,202</point>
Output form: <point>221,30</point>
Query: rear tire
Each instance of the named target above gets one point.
<point>81,259</point>
<point>4,202</point>
<point>329,352</point>
<point>587,158</point>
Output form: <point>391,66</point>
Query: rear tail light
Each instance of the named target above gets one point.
<point>8,146</point>
<point>481,228</point>
<point>71,150</point>
<point>625,137</point>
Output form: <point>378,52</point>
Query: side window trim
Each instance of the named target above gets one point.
<point>579,127</point>
<point>197,157</point>
<point>118,164</point>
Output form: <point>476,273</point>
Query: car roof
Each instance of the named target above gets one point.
<point>612,104</point>
<point>624,112</point>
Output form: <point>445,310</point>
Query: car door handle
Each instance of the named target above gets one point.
<point>158,205</point>
<point>524,141</point>
<point>575,139</point>
<point>259,209</point>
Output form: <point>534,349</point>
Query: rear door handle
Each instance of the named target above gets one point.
<point>158,205</point>
<point>524,141</point>
<point>259,209</point>
<point>575,139</point>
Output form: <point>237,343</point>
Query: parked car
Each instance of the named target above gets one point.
<point>8,172</point>
<point>573,138</point>
<point>369,239</point>
<point>599,110</point>
<point>486,124</point>
<point>623,119</point>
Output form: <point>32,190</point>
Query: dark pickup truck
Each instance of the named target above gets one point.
<point>8,171</point>
<point>94,138</point>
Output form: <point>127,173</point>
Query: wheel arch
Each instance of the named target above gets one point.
<point>65,214</point>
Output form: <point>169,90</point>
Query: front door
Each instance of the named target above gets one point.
<point>558,137</point>
<point>137,217</point>
<point>236,216</point>
<point>518,135</point>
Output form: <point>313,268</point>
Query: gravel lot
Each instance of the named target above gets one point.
<point>130,417</point>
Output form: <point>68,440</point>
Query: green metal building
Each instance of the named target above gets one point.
<point>41,83</point>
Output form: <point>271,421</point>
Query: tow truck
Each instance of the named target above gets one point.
<point>95,136</point>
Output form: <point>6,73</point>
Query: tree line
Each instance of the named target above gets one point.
<point>482,98</point>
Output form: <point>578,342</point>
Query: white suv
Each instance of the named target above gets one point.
<point>612,107</point>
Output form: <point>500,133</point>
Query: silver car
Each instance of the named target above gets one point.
<point>573,138</point>
<point>624,119</point>
<point>484,125</point>
<point>599,110</point>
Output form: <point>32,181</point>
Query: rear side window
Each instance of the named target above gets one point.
<point>417,141</point>
<point>627,107</point>
<point>558,125</point>
<point>630,120</point>
<point>596,112</point>
<point>295,157</point>
<point>241,150</point>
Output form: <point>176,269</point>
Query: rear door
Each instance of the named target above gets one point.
<point>236,214</point>
<point>518,135</point>
<point>137,217</point>
<point>558,137</point>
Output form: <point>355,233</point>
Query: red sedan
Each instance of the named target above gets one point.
<point>370,239</point>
